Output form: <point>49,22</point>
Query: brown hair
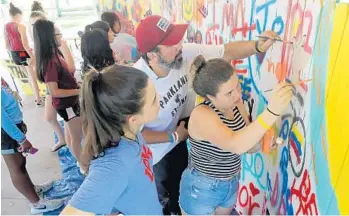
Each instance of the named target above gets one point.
<point>14,10</point>
<point>209,75</point>
<point>108,98</point>
<point>37,6</point>
<point>111,18</point>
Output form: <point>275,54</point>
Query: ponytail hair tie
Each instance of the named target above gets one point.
<point>99,76</point>
<point>200,67</point>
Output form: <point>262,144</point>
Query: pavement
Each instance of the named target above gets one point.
<point>42,167</point>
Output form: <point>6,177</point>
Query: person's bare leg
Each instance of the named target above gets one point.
<point>32,78</point>
<point>67,135</point>
<point>19,176</point>
<point>223,211</point>
<point>51,117</point>
<point>75,130</point>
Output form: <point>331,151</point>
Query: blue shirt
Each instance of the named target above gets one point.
<point>11,115</point>
<point>120,181</point>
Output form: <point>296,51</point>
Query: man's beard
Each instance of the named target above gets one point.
<point>176,64</point>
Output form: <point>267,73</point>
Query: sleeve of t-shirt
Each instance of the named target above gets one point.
<point>101,188</point>
<point>9,126</point>
<point>51,74</point>
<point>192,50</point>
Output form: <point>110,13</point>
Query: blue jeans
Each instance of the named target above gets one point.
<point>201,195</point>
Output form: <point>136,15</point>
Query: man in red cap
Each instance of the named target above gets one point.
<point>167,62</point>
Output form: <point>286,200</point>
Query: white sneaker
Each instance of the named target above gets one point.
<point>40,189</point>
<point>45,206</point>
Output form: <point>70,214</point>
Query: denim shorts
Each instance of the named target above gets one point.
<point>201,195</point>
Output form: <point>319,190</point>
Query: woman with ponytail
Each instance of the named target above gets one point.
<point>219,132</point>
<point>115,104</point>
<point>38,13</point>
<point>55,67</point>
<point>17,44</point>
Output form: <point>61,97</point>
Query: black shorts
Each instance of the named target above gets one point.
<point>20,57</point>
<point>69,113</point>
<point>9,145</point>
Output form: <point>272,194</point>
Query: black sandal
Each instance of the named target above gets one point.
<point>57,147</point>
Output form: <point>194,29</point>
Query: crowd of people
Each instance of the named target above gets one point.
<point>137,116</point>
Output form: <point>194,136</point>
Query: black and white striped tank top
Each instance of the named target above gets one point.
<point>209,159</point>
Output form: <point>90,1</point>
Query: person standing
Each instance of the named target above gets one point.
<point>55,67</point>
<point>219,132</point>
<point>124,45</point>
<point>166,60</point>
<point>16,41</point>
<point>14,144</point>
<point>115,103</point>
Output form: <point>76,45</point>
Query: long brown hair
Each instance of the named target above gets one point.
<point>108,98</point>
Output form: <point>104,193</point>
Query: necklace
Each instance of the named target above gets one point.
<point>132,140</point>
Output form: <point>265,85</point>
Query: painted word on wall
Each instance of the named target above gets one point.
<point>305,175</point>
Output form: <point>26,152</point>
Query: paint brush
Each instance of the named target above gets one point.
<point>295,84</point>
<point>275,39</point>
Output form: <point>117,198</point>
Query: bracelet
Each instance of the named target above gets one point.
<point>272,112</point>
<point>263,123</point>
<point>176,137</point>
<point>21,142</point>
<point>171,137</point>
<point>257,48</point>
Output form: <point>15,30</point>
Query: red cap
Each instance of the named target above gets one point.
<point>155,30</point>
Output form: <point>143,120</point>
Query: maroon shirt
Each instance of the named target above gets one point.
<point>58,72</point>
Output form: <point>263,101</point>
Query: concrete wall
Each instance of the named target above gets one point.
<point>307,174</point>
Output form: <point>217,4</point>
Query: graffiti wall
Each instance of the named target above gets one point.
<point>307,174</point>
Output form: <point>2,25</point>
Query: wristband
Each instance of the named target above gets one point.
<point>21,142</point>
<point>263,123</point>
<point>176,137</point>
<point>171,137</point>
<point>257,48</point>
<point>272,112</point>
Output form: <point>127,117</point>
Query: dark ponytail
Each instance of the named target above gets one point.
<point>14,10</point>
<point>209,75</point>
<point>108,98</point>
<point>96,55</point>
